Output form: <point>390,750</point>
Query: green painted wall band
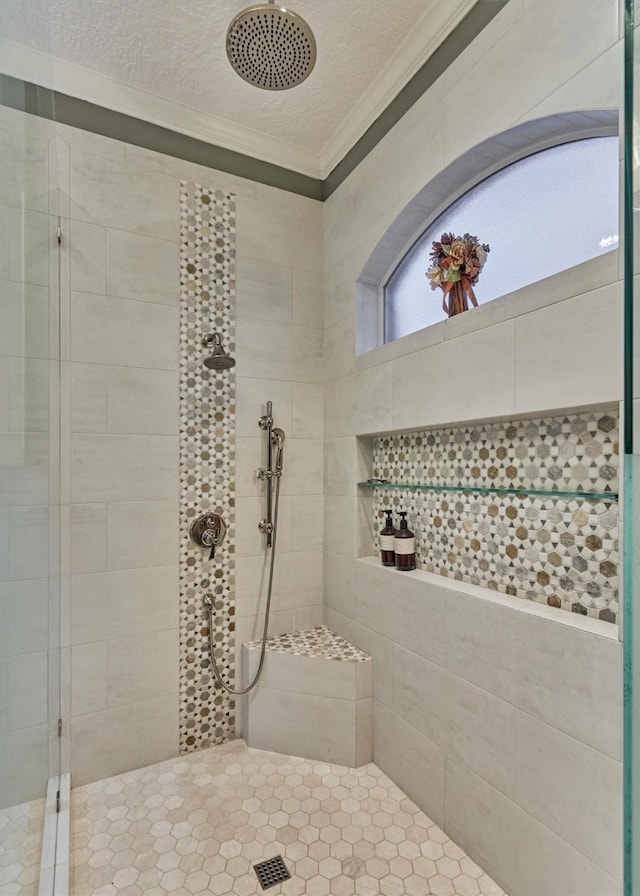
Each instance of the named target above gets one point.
<point>68,110</point>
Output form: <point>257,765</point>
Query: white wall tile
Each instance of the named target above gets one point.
<point>123,468</point>
<point>139,157</point>
<point>105,191</point>
<point>121,603</point>
<point>30,241</point>
<point>557,778</point>
<point>480,733</point>
<point>306,515</point>
<point>426,393</point>
<point>308,294</point>
<point>340,514</point>
<point>88,398</point>
<point>88,678</point>
<point>303,471</point>
<point>280,235</point>
<point>105,330</point>
<point>143,268</point>
<point>306,617</point>
<point>88,538</point>
<point>339,342</point>
<point>587,705</point>
<point>279,351</point>
<point>480,643</point>
<point>23,610</point>
<point>88,258</point>
<point>27,691</point>
<point>570,354</point>
<point>264,290</point>
<point>412,761</point>
<point>28,542</point>
<point>139,734</point>
<point>502,838</point>
<point>321,728</point>
<point>76,138</point>
<point>420,692</point>
<point>142,534</point>
<point>4,694</point>
<point>29,395</point>
<point>339,403</point>
<point>307,411</point>
<point>338,583</point>
<point>309,675</point>
<point>340,466</point>
<point>25,320</point>
<point>142,667</point>
<point>142,401</point>
<point>25,175</point>
<point>416,614</point>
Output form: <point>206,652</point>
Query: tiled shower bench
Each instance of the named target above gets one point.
<point>314,698</point>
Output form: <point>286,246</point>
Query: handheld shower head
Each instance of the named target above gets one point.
<point>277,440</point>
<point>219,359</point>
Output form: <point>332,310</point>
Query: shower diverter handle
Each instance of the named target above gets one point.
<point>208,531</point>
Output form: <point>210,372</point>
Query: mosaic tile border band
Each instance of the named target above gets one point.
<point>559,551</point>
<point>207,462</point>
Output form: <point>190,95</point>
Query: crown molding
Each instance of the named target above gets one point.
<point>30,65</point>
<point>433,27</point>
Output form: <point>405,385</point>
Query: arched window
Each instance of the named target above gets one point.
<point>540,215</point>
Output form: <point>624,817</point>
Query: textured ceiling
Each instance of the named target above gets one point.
<point>175,49</point>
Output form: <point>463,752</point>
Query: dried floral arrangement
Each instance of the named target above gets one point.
<point>456,265</point>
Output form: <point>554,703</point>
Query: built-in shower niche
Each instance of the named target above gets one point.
<point>314,698</point>
<point>526,507</point>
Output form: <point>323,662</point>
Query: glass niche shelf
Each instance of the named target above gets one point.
<point>487,489</point>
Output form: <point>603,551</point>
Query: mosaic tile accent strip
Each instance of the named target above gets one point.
<point>318,642</point>
<point>577,452</point>
<point>562,552</point>
<point>197,825</point>
<point>207,461</point>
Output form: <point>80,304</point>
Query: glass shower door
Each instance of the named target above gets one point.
<point>631,448</point>
<point>29,487</point>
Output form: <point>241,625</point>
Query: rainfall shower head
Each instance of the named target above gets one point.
<point>219,359</point>
<point>271,47</point>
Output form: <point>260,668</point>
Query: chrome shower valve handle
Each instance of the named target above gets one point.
<point>208,531</point>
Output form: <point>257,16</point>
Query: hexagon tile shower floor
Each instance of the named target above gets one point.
<point>196,825</point>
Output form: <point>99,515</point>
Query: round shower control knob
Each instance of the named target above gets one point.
<point>208,530</point>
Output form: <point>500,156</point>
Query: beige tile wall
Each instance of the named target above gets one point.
<point>476,702</point>
<point>123,421</point>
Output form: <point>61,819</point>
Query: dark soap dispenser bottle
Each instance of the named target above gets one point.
<point>387,542</point>
<point>405,546</point>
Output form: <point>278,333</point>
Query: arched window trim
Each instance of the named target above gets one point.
<point>454,181</point>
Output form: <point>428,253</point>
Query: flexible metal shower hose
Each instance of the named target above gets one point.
<point>263,648</point>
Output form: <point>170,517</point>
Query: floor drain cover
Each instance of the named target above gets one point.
<point>271,872</point>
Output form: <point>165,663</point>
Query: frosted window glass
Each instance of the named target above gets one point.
<point>541,215</point>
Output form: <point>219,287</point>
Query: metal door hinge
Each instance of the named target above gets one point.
<point>59,234</point>
<point>59,727</point>
<point>57,802</point>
